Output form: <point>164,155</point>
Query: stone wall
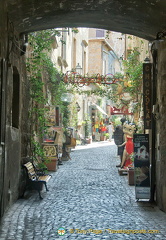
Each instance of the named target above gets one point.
<point>14,99</point>
<point>3,41</point>
<point>161,128</point>
<point>140,18</point>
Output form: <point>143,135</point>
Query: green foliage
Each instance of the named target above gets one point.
<point>87,124</point>
<point>109,91</point>
<point>43,76</point>
<point>37,150</point>
<point>133,71</point>
<point>38,155</point>
<point>75,30</point>
<point>74,115</point>
<point>107,34</point>
<point>116,120</point>
<point>66,114</point>
<point>42,73</point>
<point>106,135</point>
<point>87,130</point>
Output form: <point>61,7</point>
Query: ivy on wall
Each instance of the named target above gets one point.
<point>130,82</point>
<point>43,77</point>
<point>133,70</point>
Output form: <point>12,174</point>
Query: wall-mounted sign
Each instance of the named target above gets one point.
<point>141,166</point>
<point>147,94</point>
<point>49,135</point>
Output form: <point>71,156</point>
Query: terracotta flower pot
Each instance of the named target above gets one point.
<point>52,165</point>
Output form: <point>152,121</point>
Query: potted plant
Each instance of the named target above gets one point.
<point>38,157</point>
<point>106,135</point>
<point>51,159</point>
<point>87,132</point>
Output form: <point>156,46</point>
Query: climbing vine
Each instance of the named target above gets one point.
<point>129,82</point>
<point>133,68</point>
<point>45,81</point>
<point>103,90</point>
<point>133,71</point>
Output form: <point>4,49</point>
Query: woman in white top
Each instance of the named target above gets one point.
<point>110,130</point>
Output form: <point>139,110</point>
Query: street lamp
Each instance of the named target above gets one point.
<point>67,97</point>
<point>78,69</point>
<point>147,60</point>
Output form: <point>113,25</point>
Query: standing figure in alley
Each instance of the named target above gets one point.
<point>110,130</point>
<point>129,129</point>
<point>119,139</point>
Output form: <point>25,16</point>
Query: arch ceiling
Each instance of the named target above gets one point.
<point>143,18</point>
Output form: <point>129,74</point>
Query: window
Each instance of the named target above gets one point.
<point>99,33</point>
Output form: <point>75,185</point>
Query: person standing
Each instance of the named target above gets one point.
<point>119,139</point>
<point>110,130</point>
<point>129,129</point>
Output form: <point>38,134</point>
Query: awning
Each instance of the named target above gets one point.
<point>100,109</point>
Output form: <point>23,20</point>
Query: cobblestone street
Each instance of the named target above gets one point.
<point>86,193</point>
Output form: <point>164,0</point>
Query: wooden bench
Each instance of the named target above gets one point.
<point>36,179</point>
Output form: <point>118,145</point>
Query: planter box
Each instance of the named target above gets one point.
<point>131,176</point>
<point>53,164</point>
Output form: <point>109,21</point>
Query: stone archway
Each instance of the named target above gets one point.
<point>143,19</point>
<point>140,18</point>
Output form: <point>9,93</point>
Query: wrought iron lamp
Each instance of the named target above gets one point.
<point>78,69</point>
<point>67,97</point>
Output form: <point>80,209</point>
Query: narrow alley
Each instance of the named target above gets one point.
<point>87,198</point>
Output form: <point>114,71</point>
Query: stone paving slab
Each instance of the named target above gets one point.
<point>89,199</point>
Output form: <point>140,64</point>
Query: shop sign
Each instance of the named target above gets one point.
<point>120,111</point>
<point>141,166</point>
<point>85,80</point>
<point>147,90</point>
